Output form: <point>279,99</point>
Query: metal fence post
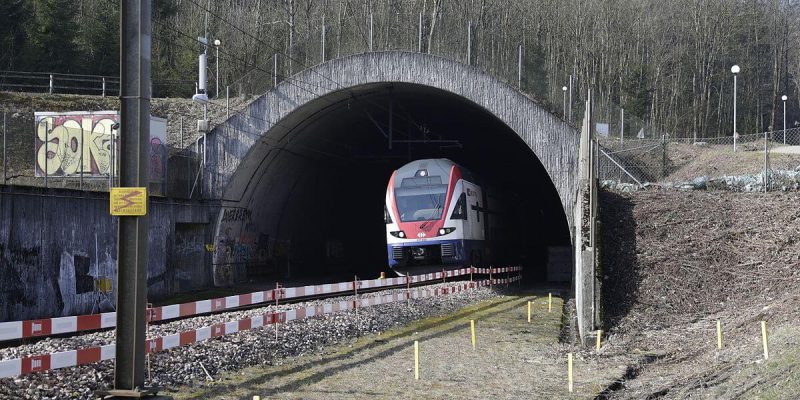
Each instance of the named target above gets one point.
<point>275,70</point>
<point>371,25</point>
<point>227,102</point>
<point>51,83</point>
<point>5,133</point>
<point>766,162</point>
<point>323,38</point>
<point>104,86</point>
<point>519,68</point>
<point>419,40</point>
<point>46,150</point>
<point>621,126</point>
<point>469,43</point>
<point>80,165</point>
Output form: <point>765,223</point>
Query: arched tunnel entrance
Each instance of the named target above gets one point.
<point>308,197</point>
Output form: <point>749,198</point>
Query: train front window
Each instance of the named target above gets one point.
<point>421,203</point>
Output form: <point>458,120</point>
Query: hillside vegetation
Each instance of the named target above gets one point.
<point>675,263</point>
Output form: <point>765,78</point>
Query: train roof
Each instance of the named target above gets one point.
<point>432,167</point>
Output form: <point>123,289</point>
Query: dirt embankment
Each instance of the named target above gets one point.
<point>691,161</point>
<point>675,263</point>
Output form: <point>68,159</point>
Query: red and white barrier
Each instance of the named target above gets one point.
<point>54,326</point>
<point>71,358</point>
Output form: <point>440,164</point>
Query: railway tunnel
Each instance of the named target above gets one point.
<point>301,174</point>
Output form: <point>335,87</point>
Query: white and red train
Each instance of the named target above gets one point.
<point>436,217</point>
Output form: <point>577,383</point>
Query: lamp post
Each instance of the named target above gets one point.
<point>217,42</point>
<point>784,98</point>
<point>564,92</point>
<point>735,70</point>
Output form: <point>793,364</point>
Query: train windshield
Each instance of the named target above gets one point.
<point>421,198</point>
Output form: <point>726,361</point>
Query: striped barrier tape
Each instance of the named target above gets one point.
<point>55,326</point>
<point>72,358</point>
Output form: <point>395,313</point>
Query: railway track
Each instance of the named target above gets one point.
<point>83,347</point>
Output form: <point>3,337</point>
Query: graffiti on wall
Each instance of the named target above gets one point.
<point>74,144</point>
<point>241,250</point>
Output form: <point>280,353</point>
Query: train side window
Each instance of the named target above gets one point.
<point>460,211</point>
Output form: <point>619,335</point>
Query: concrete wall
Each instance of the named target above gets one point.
<point>53,243</point>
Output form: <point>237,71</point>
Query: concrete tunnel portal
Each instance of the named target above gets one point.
<point>307,195</point>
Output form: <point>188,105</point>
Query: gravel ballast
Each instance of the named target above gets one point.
<point>193,364</point>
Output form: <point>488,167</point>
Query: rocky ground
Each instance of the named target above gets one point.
<point>196,365</point>
<point>674,263</point>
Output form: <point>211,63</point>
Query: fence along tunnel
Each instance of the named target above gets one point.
<point>308,198</point>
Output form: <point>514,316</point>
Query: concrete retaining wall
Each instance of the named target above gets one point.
<point>54,243</point>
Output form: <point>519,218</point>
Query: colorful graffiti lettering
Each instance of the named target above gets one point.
<point>80,144</point>
<point>73,144</point>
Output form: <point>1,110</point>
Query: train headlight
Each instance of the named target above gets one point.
<point>399,234</point>
<point>445,231</point>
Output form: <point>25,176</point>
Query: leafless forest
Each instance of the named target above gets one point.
<point>665,62</point>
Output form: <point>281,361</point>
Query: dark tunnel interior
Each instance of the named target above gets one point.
<point>349,148</point>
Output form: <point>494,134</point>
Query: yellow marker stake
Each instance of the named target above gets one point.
<point>599,335</point>
<point>549,302</point>
<point>472,327</point>
<point>416,359</point>
<point>569,371</point>
<point>529,312</point>
<point>764,339</point>
<point>719,335</point>
<point>256,397</point>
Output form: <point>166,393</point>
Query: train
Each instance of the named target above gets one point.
<point>437,217</point>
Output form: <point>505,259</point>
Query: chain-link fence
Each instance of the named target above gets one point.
<point>767,160</point>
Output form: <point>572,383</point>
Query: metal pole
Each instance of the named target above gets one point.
<point>111,167</point>
<point>216,61</point>
<point>80,184</point>
<point>370,31</point>
<point>564,95</point>
<point>51,83</point>
<point>569,109</point>
<point>227,102</point>
<point>275,70</point>
<point>519,68</point>
<point>5,133</point>
<point>784,122</point>
<point>419,40</point>
<point>622,126</point>
<point>734,113</point>
<point>181,124</point>
<point>323,38</point>
<point>469,43</point>
<point>132,243</point>
<point>104,86</point>
<point>46,149</point>
<point>766,162</point>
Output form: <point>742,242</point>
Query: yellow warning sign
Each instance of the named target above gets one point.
<point>128,201</point>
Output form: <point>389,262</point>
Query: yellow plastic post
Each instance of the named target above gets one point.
<point>549,302</point>
<point>256,397</point>
<point>416,359</point>
<point>764,339</point>
<point>599,336</point>
<point>719,335</point>
<point>569,371</point>
<point>472,327</point>
<point>529,312</point>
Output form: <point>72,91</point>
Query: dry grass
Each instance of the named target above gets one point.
<point>513,360</point>
<point>690,161</point>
